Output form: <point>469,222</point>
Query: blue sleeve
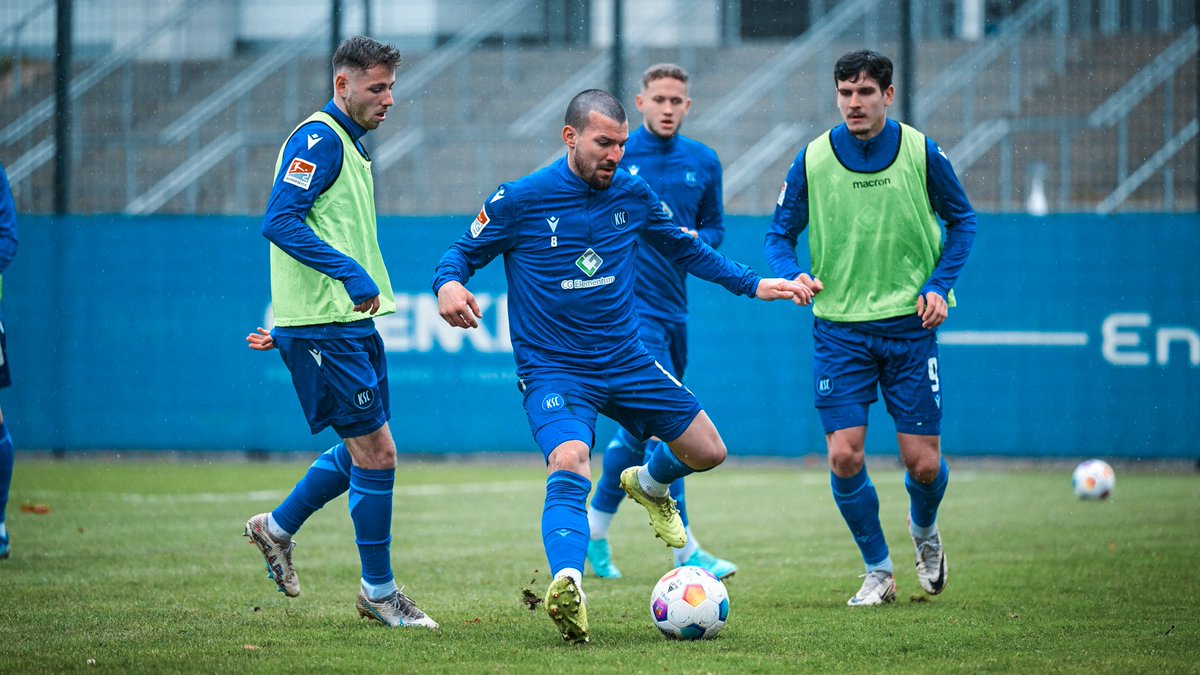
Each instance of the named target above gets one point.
<point>710,216</point>
<point>693,255</point>
<point>949,201</point>
<point>489,235</point>
<point>791,217</point>
<point>8,223</point>
<point>290,203</point>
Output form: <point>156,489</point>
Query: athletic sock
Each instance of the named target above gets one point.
<point>623,451</point>
<point>371,511</point>
<point>689,548</point>
<point>327,478</point>
<point>377,592</point>
<point>565,521</point>
<point>661,469</point>
<point>679,495</point>
<point>923,501</point>
<point>598,523</point>
<point>859,503</point>
<point>7,456</point>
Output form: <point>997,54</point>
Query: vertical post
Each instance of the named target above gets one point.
<point>1196,23</point>
<point>618,49</point>
<point>335,26</point>
<point>367,28</point>
<point>908,69</point>
<point>62,107</point>
<point>731,23</point>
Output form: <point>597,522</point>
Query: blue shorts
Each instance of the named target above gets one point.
<point>643,397</point>
<point>849,364</point>
<point>341,382</point>
<point>667,343</point>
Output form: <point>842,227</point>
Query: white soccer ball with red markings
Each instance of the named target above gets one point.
<point>1093,479</point>
<point>689,603</point>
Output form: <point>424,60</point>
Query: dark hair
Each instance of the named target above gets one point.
<point>877,67</point>
<point>363,53</point>
<point>660,70</point>
<point>593,99</point>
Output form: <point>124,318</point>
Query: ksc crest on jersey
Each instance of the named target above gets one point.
<point>620,219</point>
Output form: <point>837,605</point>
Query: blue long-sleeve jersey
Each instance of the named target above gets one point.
<point>8,223</point>
<point>289,204</point>
<point>686,175</point>
<point>570,257</point>
<point>945,193</point>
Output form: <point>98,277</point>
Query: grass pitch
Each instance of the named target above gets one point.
<point>141,566</point>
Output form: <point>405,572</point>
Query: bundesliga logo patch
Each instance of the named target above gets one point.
<point>481,222</point>
<point>300,173</point>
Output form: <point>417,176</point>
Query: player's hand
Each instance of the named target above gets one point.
<point>369,306</point>
<point>261,341</point>
<point>782,289</point>
<point>695,234</point>
<point>457,305</point>
<point>933,310</point>
<point>814,284</point>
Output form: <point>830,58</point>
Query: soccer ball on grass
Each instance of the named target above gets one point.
<point>689,603</point>
<point>1093,479</point>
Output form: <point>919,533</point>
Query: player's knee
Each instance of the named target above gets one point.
<point>712,456</point>
<point>844,460</point>
<point>570,456</point>
<point>924,468</point>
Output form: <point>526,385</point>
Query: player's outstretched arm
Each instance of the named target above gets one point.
<point>261,341</point>
<point>783,289</point>
<point>457,305</point>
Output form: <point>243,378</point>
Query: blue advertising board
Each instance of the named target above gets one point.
<point>1075,335</point>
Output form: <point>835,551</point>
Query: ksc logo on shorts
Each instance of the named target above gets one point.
<point>824,386</point>
<point>363,399</point>
<point>553,402</point>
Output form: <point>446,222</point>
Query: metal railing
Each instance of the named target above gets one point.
<point>80,85</point>
<point>397,146</point>
<point>795,54</point>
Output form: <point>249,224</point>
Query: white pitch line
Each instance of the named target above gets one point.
<point>803,478</point>
<point>1013,338</point>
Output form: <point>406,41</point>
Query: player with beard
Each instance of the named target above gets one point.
<point>569,234</point>
<point>328,281</point>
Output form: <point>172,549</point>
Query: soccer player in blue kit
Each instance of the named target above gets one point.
<point>869,192</point>
<point>686,175</point>
<point>8,249</point>
<point>328,280</point>
<point>569,234</point>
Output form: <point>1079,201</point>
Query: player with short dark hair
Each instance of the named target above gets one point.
<point>570,234</point>
<point>8,249</point>
<point>870,192</point>
<point>328,281</point>
<point>686,175</point>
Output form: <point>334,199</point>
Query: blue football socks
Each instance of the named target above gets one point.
<point>859,503</point>
<point>677,493</point>
<point>923,501</point>
<point>371,511</point>
<point>565,521</point>
<point>327,478</point>
<point>7,454</point>
<point>663,466</point>
<point>623,451</point>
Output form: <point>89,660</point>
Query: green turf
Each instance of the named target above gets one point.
<point>141,566</point>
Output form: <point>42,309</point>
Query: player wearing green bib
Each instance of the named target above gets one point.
<point>870,192</point>
<point>327,282</point>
